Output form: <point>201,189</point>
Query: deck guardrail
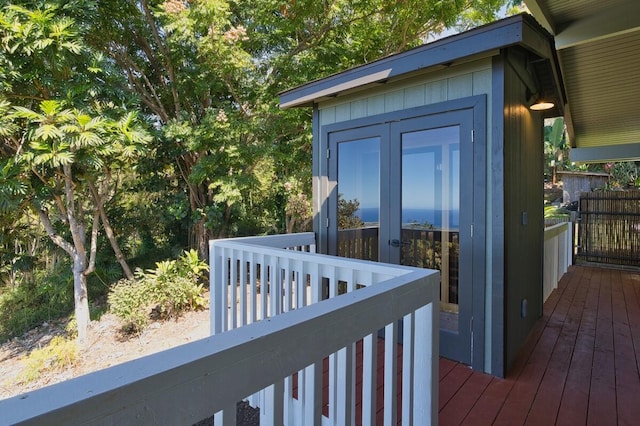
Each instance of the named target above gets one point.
<point>187,384</point>
<point>252,282</point>
<point>558,255</point>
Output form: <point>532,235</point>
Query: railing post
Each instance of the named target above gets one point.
<point>426,362</point>
<point>216,285</point>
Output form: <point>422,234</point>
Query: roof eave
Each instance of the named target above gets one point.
<point>487,40</point>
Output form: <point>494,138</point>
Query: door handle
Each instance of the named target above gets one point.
<point>398,243</point>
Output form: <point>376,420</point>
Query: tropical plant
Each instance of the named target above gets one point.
<point>167,291</point>
<point>60,145</point>
<point>556,148</point>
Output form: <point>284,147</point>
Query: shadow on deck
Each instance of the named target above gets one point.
<point>580,365</point>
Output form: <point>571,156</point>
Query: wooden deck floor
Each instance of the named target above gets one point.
<point>580,365</point>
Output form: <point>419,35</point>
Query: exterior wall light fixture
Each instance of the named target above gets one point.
<point>541,105</point>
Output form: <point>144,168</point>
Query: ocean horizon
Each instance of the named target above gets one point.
<point>420,216</point>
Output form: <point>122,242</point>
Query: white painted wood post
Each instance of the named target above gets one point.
<point>408,337</point>
<point>390,374</point>
<point>369,374</point>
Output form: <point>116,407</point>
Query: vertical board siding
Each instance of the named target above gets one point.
<point>481,81</point>
<point>436,92</point>
<point>414,96</point>
<point>470,80</point>
<point>394,101</point>
<point>522,159</point>
<point>460,86</point>
<point>358,109</point>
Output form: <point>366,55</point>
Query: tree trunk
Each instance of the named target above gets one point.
<point>115,246</point>
<point>201,237</point>
<point>80,297</point>
<point>99,202</point>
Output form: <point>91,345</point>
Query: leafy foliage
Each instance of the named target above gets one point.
<point>165,292</point>
<point>28,305</point>
<point>156,122</point>
<point>555,212</point>
<point>625,174</point>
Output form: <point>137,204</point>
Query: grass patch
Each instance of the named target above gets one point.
<point>59,354</point>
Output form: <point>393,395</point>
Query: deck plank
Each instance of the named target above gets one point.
<point>452,383</point>
<point>575,397</point>
<point>547,400</point>
<point>580,364</point>
<point>457,408</point>
<point>602,398</point>
<point>626,367</point>
<point>520,400</point>
<point>492,399</point>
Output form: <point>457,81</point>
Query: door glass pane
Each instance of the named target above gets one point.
<point>431,210</point>
<point>359,198</point>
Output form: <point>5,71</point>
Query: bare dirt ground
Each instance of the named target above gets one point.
<point>105,348</point>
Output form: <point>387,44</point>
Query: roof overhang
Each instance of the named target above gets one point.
<point>598,45</point>
<point>489,40</point>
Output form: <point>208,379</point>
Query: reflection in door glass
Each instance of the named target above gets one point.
<point>359,198</point>
<point>431,209</point>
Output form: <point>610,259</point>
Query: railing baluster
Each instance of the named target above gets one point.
<point>369,375</point>
<point>407,367</point>
<point>264,292</point>
<point>390,374</point>
<point>345,390</point>
<point>272,414</point>
<point>332,374</point>
<point>253,266</point>
<point>242,289</point>
<point>275,287</point>
<point>313,394</point>
<point>233,299</point>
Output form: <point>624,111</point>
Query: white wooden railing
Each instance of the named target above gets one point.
<point>558,255</point>
<point>255,279</point>
<point>186,384</point>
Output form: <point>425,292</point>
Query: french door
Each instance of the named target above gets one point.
<point>404,194</point>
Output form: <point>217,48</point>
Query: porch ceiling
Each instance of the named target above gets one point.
<point>598,44</point>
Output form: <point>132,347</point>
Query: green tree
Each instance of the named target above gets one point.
<point>209,72</point>
<point>62,142</point>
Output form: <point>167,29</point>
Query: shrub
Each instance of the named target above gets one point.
<point>59,354</point>
<point>162,293</point>
<point>127,300</point>
<point>26,306</point>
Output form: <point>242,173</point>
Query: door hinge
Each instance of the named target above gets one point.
<point>473,135</point>
<point>328,153</point>
<point>472,230</point>
<point>327,224</point>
